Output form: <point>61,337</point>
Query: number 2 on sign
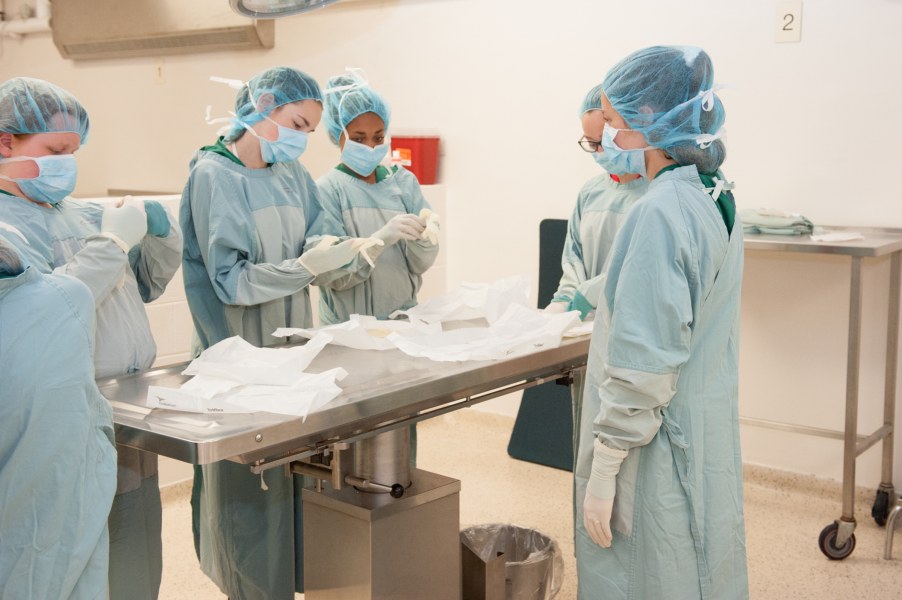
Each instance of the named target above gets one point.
<point>789,21</point>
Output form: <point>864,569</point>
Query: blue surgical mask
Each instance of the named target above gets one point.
<point>362,159</point>
<point>288,147</point>
<point>56,177</point>
<point>616,160</point>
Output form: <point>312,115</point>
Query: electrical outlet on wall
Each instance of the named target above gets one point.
<point>789,21</point>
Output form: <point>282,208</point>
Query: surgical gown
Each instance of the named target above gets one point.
<point>662,382</point>
<point>63,239</point>
<point>363,208</point>
<point>601,208</point>
<point>57,453</point>
<point>244,230</point>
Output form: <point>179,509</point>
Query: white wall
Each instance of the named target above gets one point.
<point>812,128</point>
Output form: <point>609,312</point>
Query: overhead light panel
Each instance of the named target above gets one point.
<point>273,9</point>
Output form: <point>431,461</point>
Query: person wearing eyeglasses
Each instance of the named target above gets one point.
<point>601,207</point>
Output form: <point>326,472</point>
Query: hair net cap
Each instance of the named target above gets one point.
<point>30,105</point>
<point>284,84</point>
<point>592,101</point>
<point>668,94</point>
<point>344,105</point>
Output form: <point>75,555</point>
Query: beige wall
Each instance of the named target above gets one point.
<point>812,129</point>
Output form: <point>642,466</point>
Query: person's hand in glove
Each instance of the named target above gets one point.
<point>430,233</point>
<point>401,227</point>
<point>556,308</point>
<point>599,502</point>
<point>328,256</point>
<point>125,224</point>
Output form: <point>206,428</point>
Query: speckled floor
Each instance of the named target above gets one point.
<point>784,515</point>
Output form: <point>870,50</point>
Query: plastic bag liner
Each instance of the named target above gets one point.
<point>534,565</point>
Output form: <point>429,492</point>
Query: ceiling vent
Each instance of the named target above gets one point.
<point>85,29</point>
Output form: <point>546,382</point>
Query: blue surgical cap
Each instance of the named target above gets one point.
<point>286,85</point>
<point>30,105</point>
<point>592,101</point>
<point>344,105</point>
<point>667,94</point>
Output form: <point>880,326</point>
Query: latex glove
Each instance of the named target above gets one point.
<point>597,519</point>
<point>430,234</point>
<point>125,224</point>
<point>556,308</point>
<point>600,491</point>
<point>401,227</point>
<point>328,256</point>
<point>157,219</point>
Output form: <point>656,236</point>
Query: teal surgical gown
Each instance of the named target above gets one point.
<point>57,454</point>
<point>601,208</point>
<point>63,240</point>
<point>244,230</point>
<point>362,209</point>
<point>662,382</point>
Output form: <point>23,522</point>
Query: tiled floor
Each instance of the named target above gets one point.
<point>784,515</point>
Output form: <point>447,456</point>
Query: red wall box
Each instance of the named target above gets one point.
<point>417,154</point>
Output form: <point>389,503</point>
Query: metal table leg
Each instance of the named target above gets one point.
<point>889,390</point>
<point>890,528</point>
<point>851,426</point>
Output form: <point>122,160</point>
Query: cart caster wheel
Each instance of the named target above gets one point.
<point>881,508</point>
<point>826,539</point>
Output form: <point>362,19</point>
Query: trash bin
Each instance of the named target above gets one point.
<point>507,562</point>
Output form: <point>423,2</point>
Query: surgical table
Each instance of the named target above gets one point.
<point>357,443</point>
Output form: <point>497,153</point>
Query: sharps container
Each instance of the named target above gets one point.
<point>418,154</point>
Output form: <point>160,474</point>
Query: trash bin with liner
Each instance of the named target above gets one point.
<point>507,562</point>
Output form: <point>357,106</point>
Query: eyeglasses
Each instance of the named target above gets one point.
<point>588,145</point>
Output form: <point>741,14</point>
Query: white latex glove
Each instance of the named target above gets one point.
<point>597,519</point>
<point>600,491</point>
<point>328,256</point>
<point>433,224</point>
<point>125,224</point>
<point>556,308</point>
<point>401,227</point>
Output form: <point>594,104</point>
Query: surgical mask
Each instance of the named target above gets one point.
<point>599,158</point>
<point>617,160</point>
<point>288,147</point>
<point>360,158</point>
<point>56,177</point>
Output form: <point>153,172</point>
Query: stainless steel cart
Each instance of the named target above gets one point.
<point>837,540</point>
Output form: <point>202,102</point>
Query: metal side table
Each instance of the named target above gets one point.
<point>837,540</point>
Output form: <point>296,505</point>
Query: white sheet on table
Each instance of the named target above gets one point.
<point>836,236</point>
<point>518,331</point>
<point>582,328</point>
<point>363,332</point>
<point>309,393</point>
<point>472,301</point>
<point>234,359</point>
